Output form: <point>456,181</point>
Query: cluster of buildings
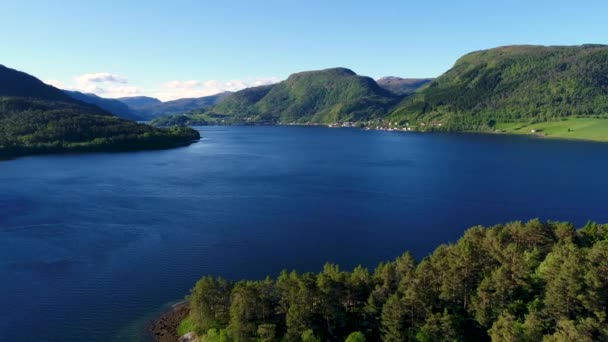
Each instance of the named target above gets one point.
<point>375,125</point>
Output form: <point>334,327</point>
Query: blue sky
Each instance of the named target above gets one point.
<point>177,48</point>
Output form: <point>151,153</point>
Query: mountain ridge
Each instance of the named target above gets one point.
<point>319,96</point>
<point>516,83</point>
<point>137,102</point>
<point>402,86</point>
<point>181,106</point>
<point>111,105</point>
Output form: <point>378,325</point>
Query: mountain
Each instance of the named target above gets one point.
<point>37,118</point>
<point>324,96</point>
<point>113,106</point>
<point>181,106</point>
<point>402,86</point>
<point>137,102</point>
<point>15,83</point>
<point>513,84</point>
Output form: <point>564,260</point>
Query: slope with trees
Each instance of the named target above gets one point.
<point>402,86</point>
<point>149,108</point>
<point>111,105</point>
<point>138,102</point>
<point>513,84</point>
<point>36,118</point>
<point>180,106</point>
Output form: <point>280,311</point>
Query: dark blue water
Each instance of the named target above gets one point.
<point>90,245</point>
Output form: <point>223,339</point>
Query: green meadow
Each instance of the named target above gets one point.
<point>573,128</point>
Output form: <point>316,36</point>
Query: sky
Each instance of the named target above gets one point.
<point>175,49</point>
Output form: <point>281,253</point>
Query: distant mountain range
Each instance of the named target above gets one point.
<point>115,107</point>
<point>138,102</point>
<point>38,118</point>
<point>143,108</point>
<point>149,108</point>
<point>346,88</point>
<point>321,96</point>
<point>402,86</point>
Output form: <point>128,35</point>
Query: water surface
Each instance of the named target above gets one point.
<point>91,243</point>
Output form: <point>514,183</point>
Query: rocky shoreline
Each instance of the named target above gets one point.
<point>164,328</point>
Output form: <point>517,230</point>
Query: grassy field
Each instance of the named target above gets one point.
<point>185,326</point>
<point>575,128</point>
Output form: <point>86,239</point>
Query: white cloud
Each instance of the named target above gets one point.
<point>191,88</point>
<point>182,84</point>
<point>56,84</point>
<point>122,91</point>
<point>103,84</point>
<point>100,77</point>
<point>110,85</point>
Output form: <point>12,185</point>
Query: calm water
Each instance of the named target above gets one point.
<point>90,245</point>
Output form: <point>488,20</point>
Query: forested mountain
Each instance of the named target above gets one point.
<point>402,86</point>
<point>535,281</point>
<point>513,84</point>
<point>38,118</point>
<point>180,106</point>
<point>138,102</point>
<point>111,105</point>
<point>324,96</point>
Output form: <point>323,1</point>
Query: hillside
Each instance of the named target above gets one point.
<point>14,83</point>
<point>37,118</point>
<point>325,96</point>
<point>513,84</point>
<point>534,281</point>
<point>402,86</point>
<point>137,102</point>
<point>180,106</point>
<point>111,105</point>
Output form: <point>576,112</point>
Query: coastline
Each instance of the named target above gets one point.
<point>164,327</point>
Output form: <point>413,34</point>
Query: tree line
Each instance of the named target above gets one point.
<point>33,126</point>
<point>515,282</point>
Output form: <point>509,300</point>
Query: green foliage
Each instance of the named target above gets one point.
<point>393,320</point>
<point>439,327</point>
<point>357,336</point>
<point>185,326</point>
<point>309,336</point>
<point>266,332</point>
<point>215,335</point>
<point>210,303</point>
<point>524,84</point>
<point>513,282</point>
<point>194,119</point>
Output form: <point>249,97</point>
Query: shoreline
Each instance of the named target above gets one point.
<point>539,135</point>
<point>164,327</point>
